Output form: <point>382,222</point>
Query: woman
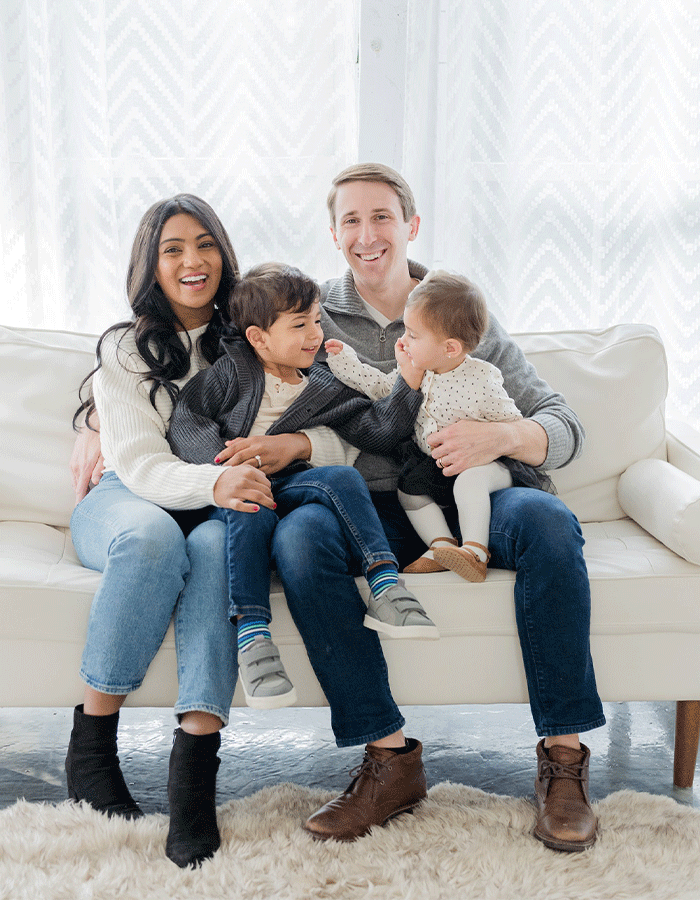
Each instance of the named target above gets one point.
<point>180,276</point>
<point>181,272</point>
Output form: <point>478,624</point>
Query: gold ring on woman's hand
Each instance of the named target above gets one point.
<point>439,463</point>
<point>259,461</point>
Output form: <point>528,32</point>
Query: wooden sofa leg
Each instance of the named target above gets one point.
<point>687,736</point>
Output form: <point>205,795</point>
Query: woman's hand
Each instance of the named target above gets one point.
<point>243,488</point>
<point>86,463</point>
<point>410,374</point>
<point>275,451</point>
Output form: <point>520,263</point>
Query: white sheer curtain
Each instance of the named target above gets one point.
<point>106,108</point>
<point>555,153</point>
<point>553,148</point>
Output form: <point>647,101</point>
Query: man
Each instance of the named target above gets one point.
<point>373,219</point>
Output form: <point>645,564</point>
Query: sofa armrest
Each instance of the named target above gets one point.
<point>683,447</point>
<point>665,501</point>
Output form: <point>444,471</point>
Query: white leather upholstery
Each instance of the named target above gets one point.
<point>40,372</point>
<point>616,381</point>
<point>645,631</point>
<point>665,501</point>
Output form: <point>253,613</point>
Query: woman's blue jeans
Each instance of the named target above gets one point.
<point>151,573</point>
<point>532,533</point>
<point>340,489</point>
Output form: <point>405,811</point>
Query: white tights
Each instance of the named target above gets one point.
<point>472,490</point>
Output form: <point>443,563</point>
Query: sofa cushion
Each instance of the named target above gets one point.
<point>40,372</point>
<point>616,381</point>
<point>45,597</point>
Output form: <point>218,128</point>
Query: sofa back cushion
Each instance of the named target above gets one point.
<point>40,372</point>
<point>614,379</point>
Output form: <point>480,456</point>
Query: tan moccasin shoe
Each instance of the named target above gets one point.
<point>424,565</point>
<point>463,560</point>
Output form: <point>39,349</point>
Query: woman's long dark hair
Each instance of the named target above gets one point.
<point>154,322</point>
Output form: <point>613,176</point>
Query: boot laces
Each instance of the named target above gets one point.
<point>370,767</point>
<point>572,771</point>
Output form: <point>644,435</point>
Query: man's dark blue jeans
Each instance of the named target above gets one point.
<point>532,533</point>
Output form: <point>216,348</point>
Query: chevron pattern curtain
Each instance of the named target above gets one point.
<point>556,149</point>
<point>107,107</point>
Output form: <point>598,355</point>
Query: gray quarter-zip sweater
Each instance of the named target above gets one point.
<point>344,317</point>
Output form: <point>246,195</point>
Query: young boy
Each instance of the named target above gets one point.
<point>266,382</point>
<point>445,318</point>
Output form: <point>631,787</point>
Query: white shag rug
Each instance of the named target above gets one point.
<point>460,844</point>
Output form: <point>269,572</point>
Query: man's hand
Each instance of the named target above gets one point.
<point>86,462</point>
<point>468,443</point>
<point>333,347</point>
<point>410,374</point>
<point>243,488</point>
<point>275,451</point>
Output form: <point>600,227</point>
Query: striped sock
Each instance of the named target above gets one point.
<point>249,627</point>
<point>381,577</point>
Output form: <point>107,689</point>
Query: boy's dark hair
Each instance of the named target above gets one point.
<point>452,306</point>
<point>268,290</point>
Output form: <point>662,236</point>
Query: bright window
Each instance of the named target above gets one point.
<point>106,108</point>
<point>555,148</point>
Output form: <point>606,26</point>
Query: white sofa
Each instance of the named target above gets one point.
<point>636,490</point>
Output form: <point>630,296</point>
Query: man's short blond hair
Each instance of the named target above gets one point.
<point>451,306</point>
<point>378,173</point>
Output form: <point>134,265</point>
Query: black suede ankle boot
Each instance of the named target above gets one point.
<point>193,835</point>
<point>92,766</point>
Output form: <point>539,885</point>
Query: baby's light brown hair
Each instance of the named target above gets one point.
<point>451,306</point>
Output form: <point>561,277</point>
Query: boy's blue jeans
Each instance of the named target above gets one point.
<point>340,489</point>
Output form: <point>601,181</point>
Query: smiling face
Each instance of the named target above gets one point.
<point>290,343</point>
<point>371,231</point>
<point>189,269</point>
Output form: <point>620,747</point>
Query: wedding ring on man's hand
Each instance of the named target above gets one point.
<point>259,461</point>
<point>439,463</point>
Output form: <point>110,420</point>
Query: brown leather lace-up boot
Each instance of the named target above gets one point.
<point>565,820</point>
<point>385,784</point>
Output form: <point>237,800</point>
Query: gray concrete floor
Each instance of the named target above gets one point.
<point>489,747</point>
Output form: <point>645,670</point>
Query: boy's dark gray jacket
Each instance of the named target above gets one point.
<point>221,403</point>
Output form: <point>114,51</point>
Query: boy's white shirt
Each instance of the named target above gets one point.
<point>327,447</point>
<point>474,390</point>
